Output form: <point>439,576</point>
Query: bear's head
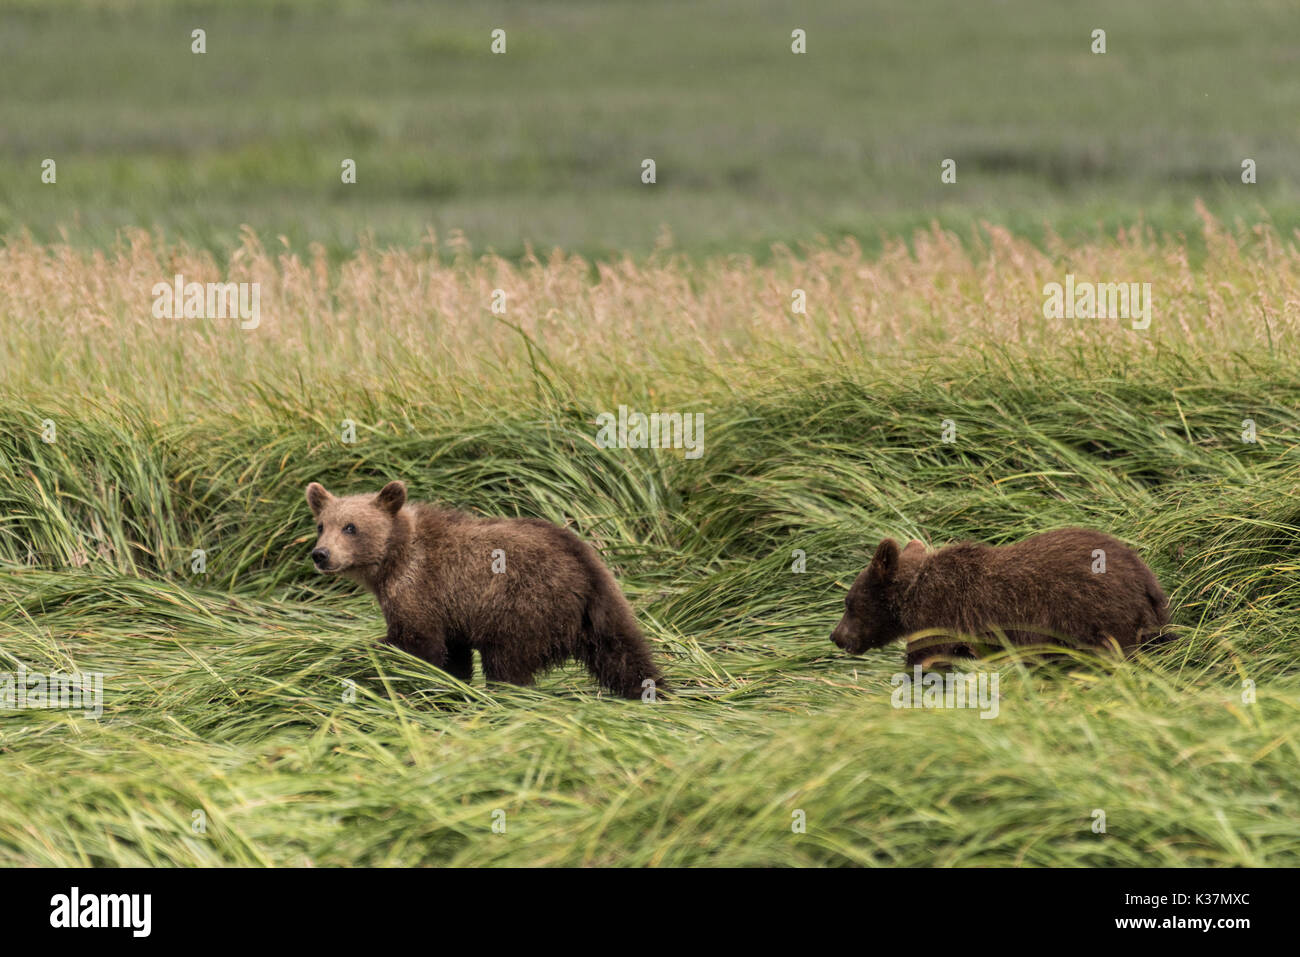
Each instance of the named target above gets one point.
<point>873,606</point>
<point>352,531</point>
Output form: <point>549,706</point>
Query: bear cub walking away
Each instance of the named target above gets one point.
<point>527,594</point>
<point>1073,587</point>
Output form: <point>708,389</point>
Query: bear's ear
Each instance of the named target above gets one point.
<point>317,497</point>
<point>911,558</point>
<point>885,564</point>
<point>391,497</point>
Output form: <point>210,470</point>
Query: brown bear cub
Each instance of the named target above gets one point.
<point>1073,587</point>
<point>527,594</point>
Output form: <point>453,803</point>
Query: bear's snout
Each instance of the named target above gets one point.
<point>320,556</point>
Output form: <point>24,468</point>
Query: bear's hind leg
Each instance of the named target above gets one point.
<point>621,662</point>
<point>503,668</point>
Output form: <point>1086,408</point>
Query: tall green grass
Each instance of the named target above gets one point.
<point>227,693</point>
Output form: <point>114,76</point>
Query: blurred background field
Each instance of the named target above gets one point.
<point>543,145</point>
<point>227,690</point>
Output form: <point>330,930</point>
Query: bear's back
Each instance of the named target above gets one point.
<point>1071,582</point>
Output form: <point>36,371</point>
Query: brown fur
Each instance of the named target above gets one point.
<point>1038,591</point>
<point>431,570</point>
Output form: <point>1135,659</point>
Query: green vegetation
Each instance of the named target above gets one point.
<point>252,698</point>
<point>226,692</point>
<point>543,145</point>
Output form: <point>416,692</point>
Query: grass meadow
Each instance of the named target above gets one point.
<point>227,692</point>
<point>250,716</point>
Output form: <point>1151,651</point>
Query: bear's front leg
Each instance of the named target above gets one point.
<point>460,661</point>
<point>933,655</point>
<point>426,643</point>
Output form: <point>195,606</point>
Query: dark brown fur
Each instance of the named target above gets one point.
<point>1041,591</point>
<point>431,570</point>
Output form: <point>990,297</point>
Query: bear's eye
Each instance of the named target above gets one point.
<point>349,529</point>
<point>319,528</point>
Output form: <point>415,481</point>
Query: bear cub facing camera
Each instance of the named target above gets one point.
<point>526,594</point>
<point>1072,587</point>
